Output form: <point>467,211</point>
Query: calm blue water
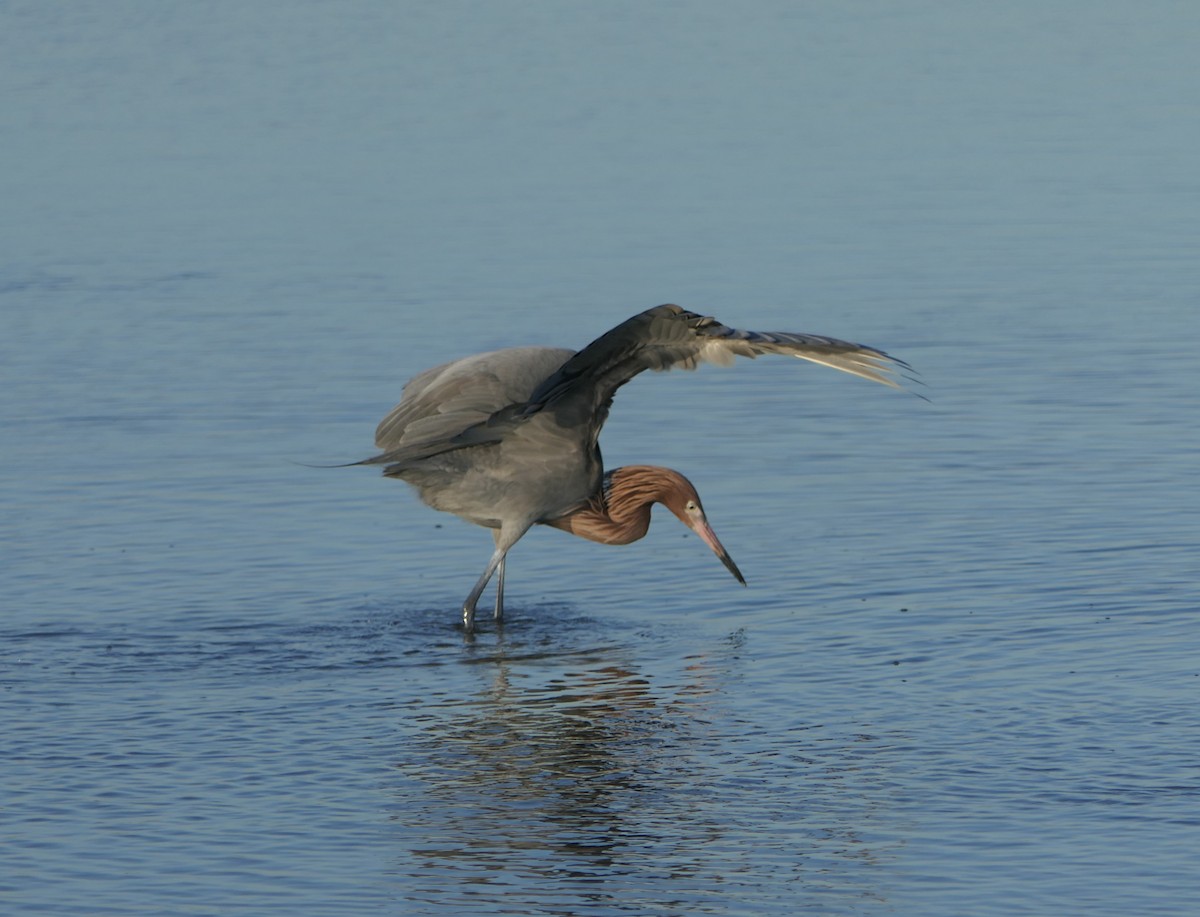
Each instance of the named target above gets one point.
<point>965,678</point>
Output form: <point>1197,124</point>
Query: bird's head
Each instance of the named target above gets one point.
<point>679,496</point>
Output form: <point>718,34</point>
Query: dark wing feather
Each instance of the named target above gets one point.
<point>669,336</point>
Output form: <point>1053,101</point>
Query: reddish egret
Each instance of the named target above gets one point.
<point>508,439</point>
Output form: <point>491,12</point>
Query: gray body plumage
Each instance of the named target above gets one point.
<point>489,483</point>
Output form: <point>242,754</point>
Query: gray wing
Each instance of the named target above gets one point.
<point>668,336</point>
<point>482,399</point>
<point>448,407</point>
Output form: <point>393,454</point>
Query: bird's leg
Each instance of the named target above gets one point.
<point>477,591</point>
<point>505,537</point>
<point>500,589</point>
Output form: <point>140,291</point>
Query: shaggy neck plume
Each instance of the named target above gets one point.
<point>620,512</point>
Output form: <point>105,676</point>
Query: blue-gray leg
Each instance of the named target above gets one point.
<point>500,590</point>
<point>477,591</point>
<point>505,538</point>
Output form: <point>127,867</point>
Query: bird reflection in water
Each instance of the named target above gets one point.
<point>553,754</point>
<point>584,778</point>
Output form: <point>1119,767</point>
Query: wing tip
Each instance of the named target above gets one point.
<point>871,364</point>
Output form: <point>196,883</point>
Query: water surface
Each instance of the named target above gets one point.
<point>963,679</point>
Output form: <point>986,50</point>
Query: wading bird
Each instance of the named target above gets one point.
<point>509,439</point>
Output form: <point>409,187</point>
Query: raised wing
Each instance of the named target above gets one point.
<point>447,399</point>
<point>669,336</point>
<point>467,402</point>
<point>483,399</point>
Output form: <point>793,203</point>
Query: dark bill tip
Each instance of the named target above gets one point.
<point>704,530</point>
<point>732,567</point>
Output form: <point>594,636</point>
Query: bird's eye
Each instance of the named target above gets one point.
<point>691,506</point>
